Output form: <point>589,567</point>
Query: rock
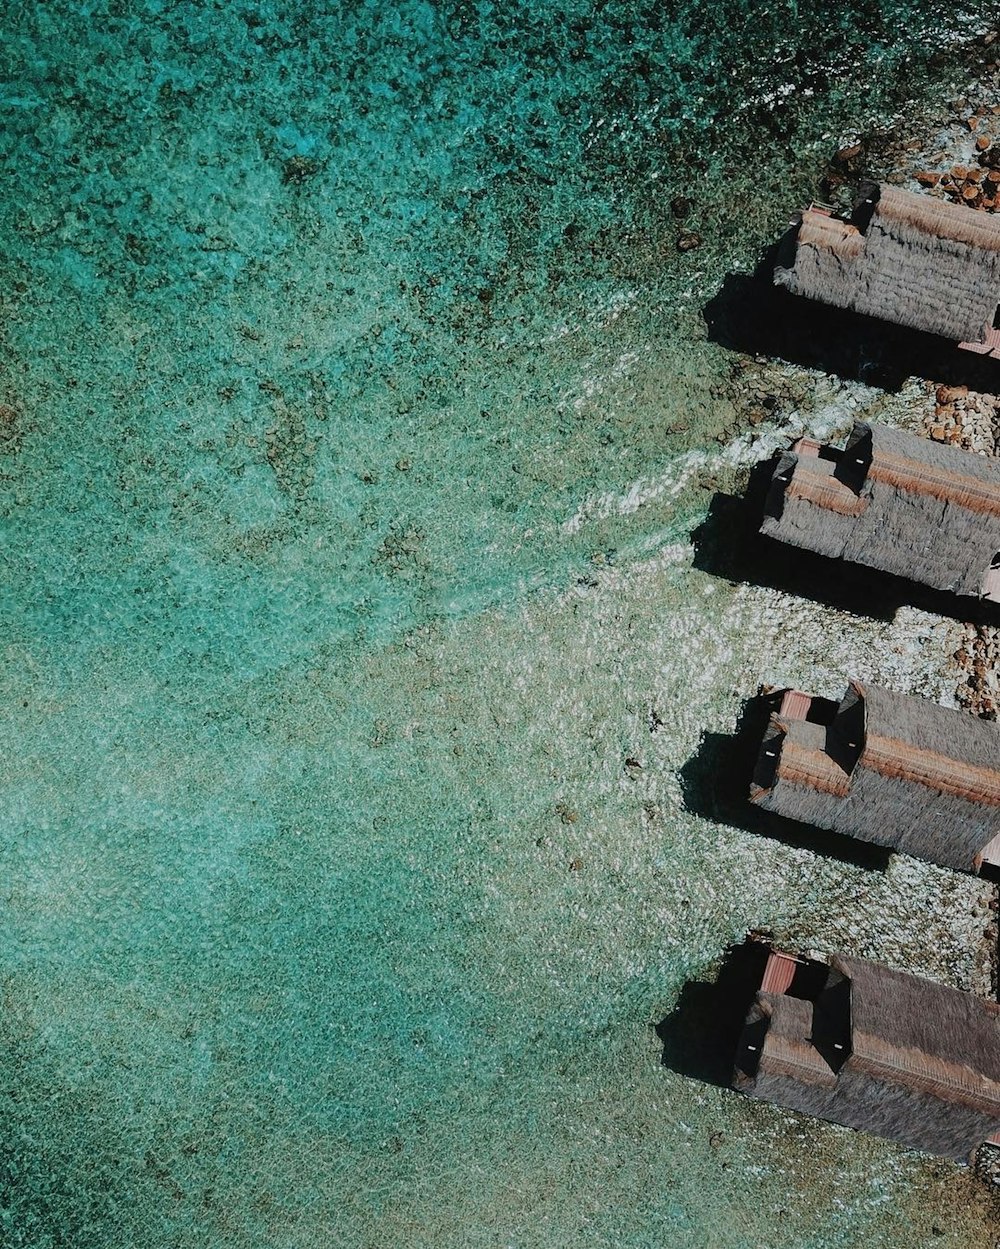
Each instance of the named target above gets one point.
<point>298,168</point>
<point>848,157</point>
<point>688,241</point>
<point>10,427</point>
<point>680,206</point>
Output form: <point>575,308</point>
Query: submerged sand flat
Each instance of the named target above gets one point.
<point>363,686</point>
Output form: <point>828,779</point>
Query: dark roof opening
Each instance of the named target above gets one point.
<point>845,737</point>
<point>810,977</point>
<point>822,710</point>
<point>767,759</point>
<point>750,1046</point>
<point>865,205</point>
<point>856,459</point>
<point>831,1031</point>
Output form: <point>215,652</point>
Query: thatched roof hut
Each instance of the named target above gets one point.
<point>903,257</point>
<point>896,502</point>
<point>887,768</point>
<point>878,1050</point>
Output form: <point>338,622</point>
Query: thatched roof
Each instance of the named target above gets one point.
<point>892,501</point>
<point>883,1051</point>
<point>788,1051</point>
<point>888,768</point>
<point>935,1034</point>
<point>903,257</point>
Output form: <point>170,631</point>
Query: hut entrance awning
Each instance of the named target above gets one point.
<point>990,346</point>
<point>795,705</point>
<point>779,972</point>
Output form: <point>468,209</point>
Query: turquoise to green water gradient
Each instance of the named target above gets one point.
<point>341,346</point>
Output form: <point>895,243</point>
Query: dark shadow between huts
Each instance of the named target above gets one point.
<point>749,314</point>
<point>728,544</point>
<point>715,783</point>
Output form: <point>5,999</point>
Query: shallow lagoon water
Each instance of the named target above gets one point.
<point>361,411</point>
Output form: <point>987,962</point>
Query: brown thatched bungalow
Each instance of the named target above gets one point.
<point>896,502</point>
<point>887,768</point>
<point>903,257</point>
<point>875,1049</point>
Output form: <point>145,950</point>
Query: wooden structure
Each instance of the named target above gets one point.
<point>887,768</point>
<point>903,257</point>
<point>875,1049</point>
<point>896,502</point>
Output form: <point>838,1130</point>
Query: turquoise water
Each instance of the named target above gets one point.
<point>340,347</point>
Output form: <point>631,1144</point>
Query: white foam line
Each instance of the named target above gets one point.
<point>748,448</point>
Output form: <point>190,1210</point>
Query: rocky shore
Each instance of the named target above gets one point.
<point>776,391</point>
<point>975,185</point>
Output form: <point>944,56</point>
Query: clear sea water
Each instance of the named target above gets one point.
<point>359,411</point>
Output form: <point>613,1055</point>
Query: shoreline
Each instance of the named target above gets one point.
<point>953,662</point>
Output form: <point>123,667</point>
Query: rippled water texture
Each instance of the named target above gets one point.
<point>358,410</point>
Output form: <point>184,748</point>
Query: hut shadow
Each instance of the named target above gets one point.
<point>701,1033</point>
<point>991,874</point>
<point>728,544</point>
<point>750,314</point>
<point>715,784</point>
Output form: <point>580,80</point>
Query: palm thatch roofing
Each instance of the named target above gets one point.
<point>896,502</point>
<point>882,1051</point>
<point>903,257</point>
<point>887,768</point>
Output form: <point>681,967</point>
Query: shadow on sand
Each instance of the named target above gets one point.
<point>750,314</point>
<point>727,544</point>
<point>715,783</point>
<point>701,1033</point>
